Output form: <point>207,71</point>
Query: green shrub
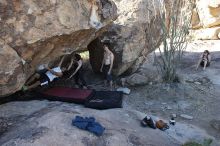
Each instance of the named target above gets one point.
<point>206,142</point>
<point>192,144</point>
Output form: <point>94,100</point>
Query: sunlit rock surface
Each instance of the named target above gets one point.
<point>206,20</point>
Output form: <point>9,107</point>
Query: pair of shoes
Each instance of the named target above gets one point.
<point>172,121</point>
<point>144,121</point>
<point>148,121</point>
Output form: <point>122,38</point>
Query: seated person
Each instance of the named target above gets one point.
<point>42,78</point>
<point>204,60</point>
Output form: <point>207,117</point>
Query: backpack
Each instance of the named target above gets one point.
<point>162,125</point>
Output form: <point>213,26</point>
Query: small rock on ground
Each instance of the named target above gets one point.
<point>173,116</point>
<point>215,124</point>
<point>197,83</point>
<point>186,116</point>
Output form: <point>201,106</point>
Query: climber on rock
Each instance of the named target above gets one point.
<point>43,78</point>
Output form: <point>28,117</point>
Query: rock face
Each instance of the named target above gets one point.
<point>36,32</point>
<point>137,79</point>
<point>38,129</point>
<point>206,18</point>
<point>147,73</point>
<point>10,64</point>
<point>39,123</point>
<point>209,12</point>
<point>133,35</point>
<point>215,124</point>
<point>206,34</point>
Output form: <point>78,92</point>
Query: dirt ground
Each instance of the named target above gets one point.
<point>197,95</point>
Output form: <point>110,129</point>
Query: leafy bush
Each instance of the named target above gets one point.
<point>206,142</point>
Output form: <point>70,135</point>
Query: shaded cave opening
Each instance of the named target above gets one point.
<point>92,58</point>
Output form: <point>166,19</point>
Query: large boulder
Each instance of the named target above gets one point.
<point>137,79</point>
<point>206,20</point>
<point>215,124</point>
<point>195,19</point>
<point>36,32</point>
<point>134,34</point>
<point>11,72</point>
<point>206,33</point>
<point>209,12</point>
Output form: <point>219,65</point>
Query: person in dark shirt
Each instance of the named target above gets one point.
<point>204,60</point>
<point>79,72</point>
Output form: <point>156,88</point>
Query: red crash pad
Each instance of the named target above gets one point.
<point>67,94</point>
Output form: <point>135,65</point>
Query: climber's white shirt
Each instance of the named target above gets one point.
<point>52,76</point>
